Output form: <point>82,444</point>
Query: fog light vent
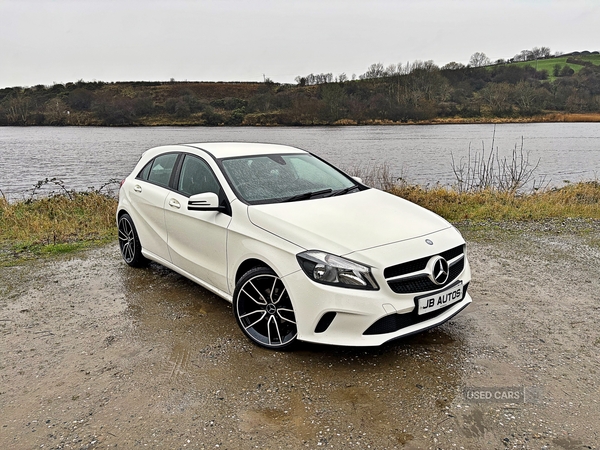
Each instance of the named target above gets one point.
<point>325,321</point>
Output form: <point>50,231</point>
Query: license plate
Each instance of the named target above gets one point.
<point>438,300</point>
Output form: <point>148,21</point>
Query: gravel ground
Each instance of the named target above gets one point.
<point>98,355</point>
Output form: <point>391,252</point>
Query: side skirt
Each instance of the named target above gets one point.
<point>163,262</point>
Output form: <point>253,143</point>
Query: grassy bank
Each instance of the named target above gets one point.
<point>56,224</point>
<point>541,118</point>
<point>579,200</point>
<point>68,222</point>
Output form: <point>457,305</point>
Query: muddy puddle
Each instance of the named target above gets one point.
<point>95,354</point>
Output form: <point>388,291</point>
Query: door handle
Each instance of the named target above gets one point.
<point>174,203</point>
<point>137,188</point>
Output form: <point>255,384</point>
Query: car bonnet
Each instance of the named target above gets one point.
<point>346,223</point>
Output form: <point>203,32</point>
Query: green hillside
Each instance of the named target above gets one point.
<point>575,60</point>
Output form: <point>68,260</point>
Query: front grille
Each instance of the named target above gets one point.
<point>421,282</point>
<point>395,322</point>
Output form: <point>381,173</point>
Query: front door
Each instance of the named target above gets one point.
<point>197,240</point>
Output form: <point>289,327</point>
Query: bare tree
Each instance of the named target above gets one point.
<point>333,96</point>
<point>545,51</point>
<point>525,55</point>
<point>310,79</point>
<point>19,110</point>
<point>391,70</point>
<point>497,97</point>
<point>525,96</point>
<point>56,111</point>
<point>453,66</point>
<point>536,53</point>
<point>374,71</point>
<point>479,59</point>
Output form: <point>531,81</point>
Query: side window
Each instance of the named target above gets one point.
<point>196,177</point>
<point>161,169</point>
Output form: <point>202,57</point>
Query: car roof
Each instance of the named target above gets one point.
<point>227,149</point>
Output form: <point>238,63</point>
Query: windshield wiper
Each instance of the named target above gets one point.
<point>307,195</point>
<point>344,191</point>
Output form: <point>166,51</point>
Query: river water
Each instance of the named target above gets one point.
<point>85,157</point>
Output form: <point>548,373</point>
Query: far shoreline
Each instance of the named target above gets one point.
<point>548,118</point>
<point>545,118</point>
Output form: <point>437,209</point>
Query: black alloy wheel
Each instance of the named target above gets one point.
<point>129,243</point>
<point>263,309</point>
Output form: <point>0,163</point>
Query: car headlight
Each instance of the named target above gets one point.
<point>336,271</point>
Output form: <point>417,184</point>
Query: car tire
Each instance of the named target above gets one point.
<point>129,242</point>
<point>263,309</point>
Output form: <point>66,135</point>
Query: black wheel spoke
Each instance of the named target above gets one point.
<point>280,296</point>
<point>260,300</point>
<point>263,314</point>
<point>272,321</point>
<point>289,312</point>
<point>273,290</point>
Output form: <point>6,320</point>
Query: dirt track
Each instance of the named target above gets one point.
<point>95,354</point>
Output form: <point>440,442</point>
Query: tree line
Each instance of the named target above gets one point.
<point>417,91</point>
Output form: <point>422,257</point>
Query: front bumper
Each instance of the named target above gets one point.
<point>349,316</point>
<point>341,316</point>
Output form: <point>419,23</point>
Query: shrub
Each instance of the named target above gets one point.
<point>80,99</point>
<point>237,117</point>
<point>143,106</point>
<point>212,118</point>
<point>182,110</point>
<point>171,105</point>
<point>114,111</point>
<point>229,103</point>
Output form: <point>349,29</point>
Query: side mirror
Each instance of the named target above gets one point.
<point>207,201</point>
<point>358,179</point>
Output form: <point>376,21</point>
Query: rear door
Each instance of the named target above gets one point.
<point>148,194</point>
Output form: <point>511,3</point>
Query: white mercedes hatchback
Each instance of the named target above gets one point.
<point>302,250</point>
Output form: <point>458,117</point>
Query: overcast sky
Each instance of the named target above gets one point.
<point>57,41</point>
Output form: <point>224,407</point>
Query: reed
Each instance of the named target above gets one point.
<point>490,187</point>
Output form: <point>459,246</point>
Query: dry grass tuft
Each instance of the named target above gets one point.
<point>571,117</point>
<point>80,217</point>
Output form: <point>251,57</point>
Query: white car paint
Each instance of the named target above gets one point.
<point>370,218</point>
<point>370,227</point>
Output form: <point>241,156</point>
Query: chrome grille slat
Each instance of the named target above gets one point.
<point>408,276</point>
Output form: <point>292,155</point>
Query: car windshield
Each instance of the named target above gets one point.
<point>286,177</point>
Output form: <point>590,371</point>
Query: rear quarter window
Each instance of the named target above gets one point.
<point>145,171</point>
<point>159,170</point>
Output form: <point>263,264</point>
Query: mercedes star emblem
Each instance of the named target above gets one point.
<point>439,270</point>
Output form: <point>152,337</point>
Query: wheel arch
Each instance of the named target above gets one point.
<point>249,264</point>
